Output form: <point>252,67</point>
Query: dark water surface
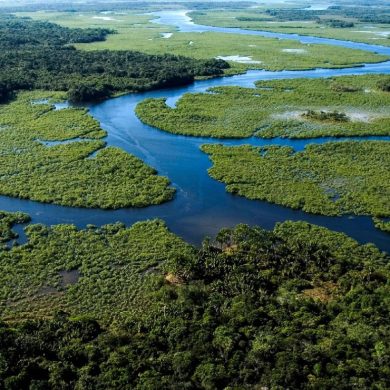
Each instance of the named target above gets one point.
<point>201,206</point>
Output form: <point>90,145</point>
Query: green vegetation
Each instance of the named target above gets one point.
<point>69,173</point>
<point>37,55</point>
<point>354,23</point>
<point>331,179</point>
<point>350,106</point>
<point>135,32</point>
<point>384,85</point>
<point>101,272</point>
<point>300,307</point>
<point>7,221</point>
<point>382,225</point>
<point>325,116</point>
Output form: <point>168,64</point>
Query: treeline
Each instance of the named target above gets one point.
<point>300,308</point>
<point>36,55</point>
<point>16,33</point>
<point>124,5</point>
<point>361,14</point>
<point>335,23</point>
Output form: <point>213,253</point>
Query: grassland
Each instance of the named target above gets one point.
<point>329,179</point>
<point>278,108</point>
<point>371,33</point>
<point>136,32</point>
<point>102,272</point>
<point>82,173</point>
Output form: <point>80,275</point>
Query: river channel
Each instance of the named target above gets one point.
<point>201,206</point>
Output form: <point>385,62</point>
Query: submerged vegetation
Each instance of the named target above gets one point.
<point>332,179</point>
<point>81,173</point>
<point>339,106</point>
<point>298,307</point>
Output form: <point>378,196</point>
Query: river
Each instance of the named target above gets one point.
<point>201,206</point>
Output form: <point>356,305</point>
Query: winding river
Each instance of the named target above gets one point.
<point>201,206</point>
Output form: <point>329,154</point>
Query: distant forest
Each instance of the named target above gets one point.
<point>125,5</point>
<point>40,55</point>
<point>362,14</point>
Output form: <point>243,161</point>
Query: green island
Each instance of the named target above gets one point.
<point>299,307</point>
<point>279,108</point>
<point>332,179</point>
<point>136,32</point>
<point>352,22</point>
<point>83,173</point>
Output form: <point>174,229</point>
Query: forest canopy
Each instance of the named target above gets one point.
<point>39,55</point>
<point>296,307</point>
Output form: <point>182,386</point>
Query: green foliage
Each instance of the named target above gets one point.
<point>7,220</point>
<point>382,225</point>
<point>362,14</point>
<point>300,307</point>
<point>331,179</point>
<point>344,23</point>
<point>335,23</point>
<point>68,173</point>
<point>350,106</point>
<point>136,32</point>
<point>37,55</point>
<point>22,32</point>
<point>104,272</point>
<point>334,116</point>
<point>384,85</point>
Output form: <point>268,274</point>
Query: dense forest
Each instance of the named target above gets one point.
<point>297,307</point>
<point>39,55</point>
<point>102,6</point>
<point>360,13</point>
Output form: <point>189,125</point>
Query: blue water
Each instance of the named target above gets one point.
<point>201,206</point>
<point>185,24</point>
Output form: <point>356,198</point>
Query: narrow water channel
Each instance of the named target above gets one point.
<point>201,206</point>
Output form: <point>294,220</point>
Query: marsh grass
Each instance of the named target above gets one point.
<point>331,179</point>
<point>278,108</point>
<point>66,173</point>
